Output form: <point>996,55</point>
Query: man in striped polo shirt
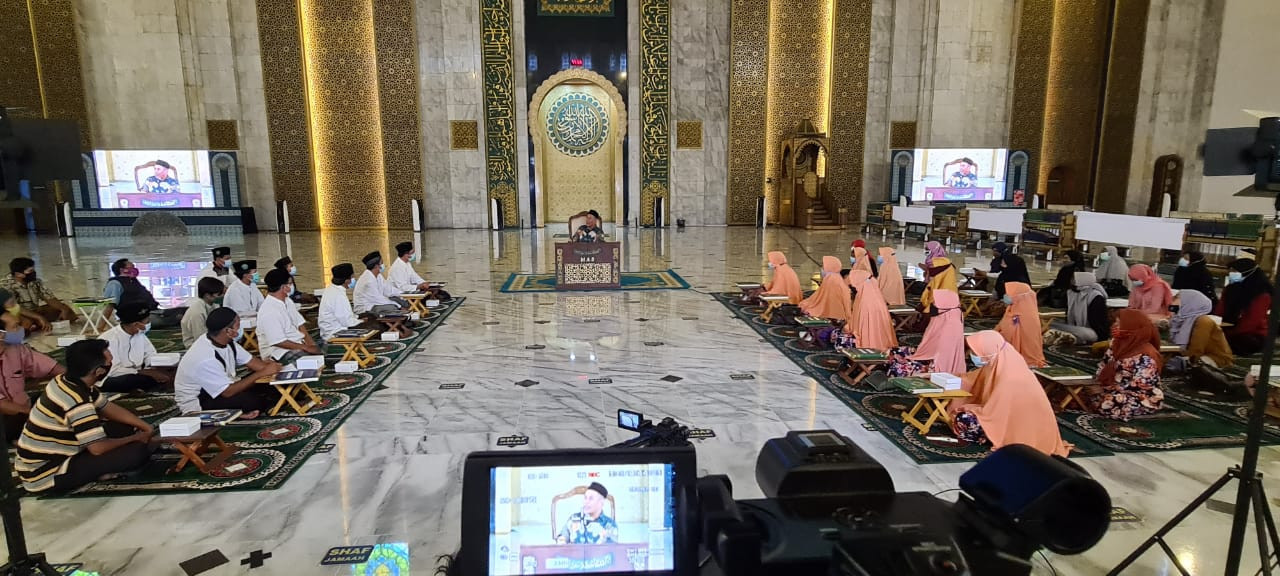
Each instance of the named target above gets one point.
<point>74,435</point>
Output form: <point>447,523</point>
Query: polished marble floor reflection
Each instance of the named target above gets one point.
<point>395,474</point>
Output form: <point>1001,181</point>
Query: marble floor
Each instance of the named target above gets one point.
<point>395,474</point>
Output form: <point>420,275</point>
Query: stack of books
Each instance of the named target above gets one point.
<point>180,427</point>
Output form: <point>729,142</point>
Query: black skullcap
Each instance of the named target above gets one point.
<point>343,270</point>
<point>221,252</point>
<point>219,319</point>
<point>135,312</point>
<point>276,278</point>
<point>1000,247</point>
<point>244,267</point>
<point>597,215</point>
<point>283,263</point>
<point>163,163</point>
<point>404,248</point>
<point>372,259</point>
<point>599,488</point>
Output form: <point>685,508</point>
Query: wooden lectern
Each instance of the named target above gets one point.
<point>588,266</point>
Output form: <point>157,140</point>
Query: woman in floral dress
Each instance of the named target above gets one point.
<point>1128,379</point>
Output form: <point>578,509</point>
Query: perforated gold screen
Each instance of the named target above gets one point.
<point>1030,79</point>
<point>749,71</point>
<point>902,134</point>
<point>689,134</point>
<point>464,135</point>
<point>798,68</point>
<point>223,134</point>
<point>284,89</point>
<point>397,56</point>
<point>851,51</point>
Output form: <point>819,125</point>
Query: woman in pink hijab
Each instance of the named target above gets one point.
<point>932,249</point>
<point>1007,403</point>
<point>942,347</point>
<point>862,261</point>
<point>870,323</point>
<point>1021,323</point>
<point>1150,295</point>
<point>890,279</point>
<point>831,300</point>
<point>785,282</point>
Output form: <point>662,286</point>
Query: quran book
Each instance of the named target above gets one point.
<point>90,300</point>
<point>811,321</point>
<point>216,417</point>
<point>865,354</point>
<point>1062,373</point>
<point>354,333</point>
<point>749,286</point>
<point>915,385</point>
<point>295,376</point>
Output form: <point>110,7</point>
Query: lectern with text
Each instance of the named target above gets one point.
<point>588,266</point>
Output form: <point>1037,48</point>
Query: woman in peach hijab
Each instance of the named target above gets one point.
<point>869,323</point>
<point>941,349</point>
<point>1150,295</point>
<point>890,279</point>
<point>942,276</point>
<point>831,301</point>
<point>785,282</point>
<point>862,261</point>
<point>1021,323</point>
<point>1007,403</point>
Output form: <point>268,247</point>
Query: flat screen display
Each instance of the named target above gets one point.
<point>959,175</point>
<point>150,179</point>
<point>581,519</point>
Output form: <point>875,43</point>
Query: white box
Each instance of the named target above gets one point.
<point>165,359</point>
<point>310,363</point>
<point>248,322</point>
<point>432,303</point>
<point>61,326</point>
<point>180,426</point>
<point>346,367</point>
<point>318,292</point>
<point>64,341</point>
<point>415,316</point>
<point>945,380</point>
<point>390,336</point>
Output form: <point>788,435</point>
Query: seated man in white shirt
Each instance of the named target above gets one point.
<point>243,295</point>
<point>208,290</point>
<point>373,295</point>
<point>336,314</point>
<point>132,351</point>
<point>405,279</point>
<point>218,267</point>
<point>206,378</point>
<point>281,329</point>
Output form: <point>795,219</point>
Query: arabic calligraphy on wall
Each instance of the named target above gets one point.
<point>577,124</point>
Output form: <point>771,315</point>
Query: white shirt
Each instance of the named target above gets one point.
<point>129,354</point>
<point>243,298</point>
<point>208,272</point>
<point>372,290</point>
<point>403,277</point>
<point>206,367</point>
<point>335,312</point>
<point>193,320</point>
<point>278,321</point>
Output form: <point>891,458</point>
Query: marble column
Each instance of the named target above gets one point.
<point>699,89</point>
<point>875,175</point>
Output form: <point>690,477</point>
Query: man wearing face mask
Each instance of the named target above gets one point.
<point>404,278</point>
<point>124,288</point>
<point>14,318</point>
<point>132,351</point>
<point>208,290</point>
<point>299,297</point>
<point>75,435</point>
<point>243,295</point>
<point>281,329</point>
<point>336,314</point>
<point>18,363</point>
<point>218,267</point>
<point>206,378</point>
<point>373,294</point>
<point>31,293</point>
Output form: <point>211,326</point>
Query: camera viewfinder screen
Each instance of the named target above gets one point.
<point>581,519</point>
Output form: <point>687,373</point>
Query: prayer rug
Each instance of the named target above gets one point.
<point>665,280</point>
<point>268,449</point>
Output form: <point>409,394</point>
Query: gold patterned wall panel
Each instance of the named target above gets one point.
<point>19,77</point>
<point>689,134</point>
<point>1120,107</point>
<point>223,134</point>
<point>799,61</point>
<point>748,79</point>
<point>902,134</point>
<point>285,95</point>
<point>851,54</point>
<point>575,7</point>
<point>57,53</point>
<point>397,56</point>
<point>464,135</point>
<point>498,63</point>
<point>1071,97</point>
<point>655,109</point>
<point>576,152</point>
<point>1030,80</point>
<point>342,92</point>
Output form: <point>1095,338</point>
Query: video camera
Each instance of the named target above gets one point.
<point>830,508</point>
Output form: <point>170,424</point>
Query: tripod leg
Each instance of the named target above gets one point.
<point>1260,524</point>
<point>1173,523</point>
<point>1270,520</point>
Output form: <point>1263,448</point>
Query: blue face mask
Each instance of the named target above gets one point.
<point>1008,300</point>
<point>291,290</point>
<point>1183,262</point>
<point>1138,282</point>
<point>1104,256</point>
<point>1233,277</point>
<point>146,328</point>
<point>293,270</point>
<point>257,278</point>
<point>240,331</point>
<point>978,362</point>
<point>351,284</point>
<point>15,337</point>
<point>852,260</point>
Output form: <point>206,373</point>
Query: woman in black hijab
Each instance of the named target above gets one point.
<point>1245,303</point>
<point>1193,274</point>
<point>1056,295</point>
<point>1010,266</point>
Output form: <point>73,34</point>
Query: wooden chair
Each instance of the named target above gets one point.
<point>577,220</point>
<point>575,492</point>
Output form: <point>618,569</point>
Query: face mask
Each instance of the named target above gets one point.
<point>1138,282</point>
<point>1234,277</point>
<point>413,257</point>
<point>257,278</point>
<point>1008,300</point>
<point>15,337</point>
<point>978,362</point>
<point>1183,262</point>
<point>146,328</point>
<point>1104,256</point>
<point>852,260</point>
<point>1116,332</point>
<point>823,274</point>
<point>879,259</point>
<point>351,284</point>
<point>29,276</point>
<point>240,331</point>
<point>293,270</point>
<point>131,272</point>
<point>771,266</point>
<point>106,369</point>
<point>290,290</point>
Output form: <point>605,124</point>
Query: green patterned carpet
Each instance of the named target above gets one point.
<point>665,280</point>
<point>1189,420</point>
<point>268,449</point>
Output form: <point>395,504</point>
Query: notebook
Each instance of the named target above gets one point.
<point>295,376</point>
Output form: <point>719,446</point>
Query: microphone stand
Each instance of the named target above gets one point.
<point>21,562</point>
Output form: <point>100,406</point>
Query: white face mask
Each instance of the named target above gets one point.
<point>1233,277</point>
<point>1183,262</point>
<point>978,362</point>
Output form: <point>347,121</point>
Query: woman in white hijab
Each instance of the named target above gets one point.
<point>1113,273</point>
<point>1086,320</point>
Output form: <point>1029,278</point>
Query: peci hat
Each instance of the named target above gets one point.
<point>135,312</point>
<point>372,259</point>
<point>221,252</point>
<point>244,267</point>
<point>219,318</point>
<point>404,248</point>
<point>599,489</point>
<point>343,270</point>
